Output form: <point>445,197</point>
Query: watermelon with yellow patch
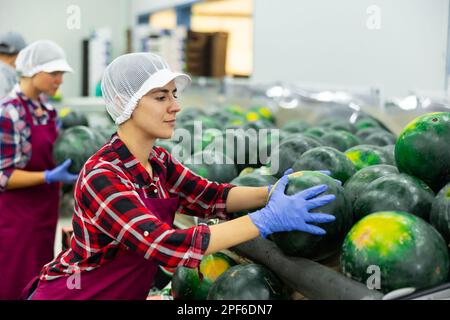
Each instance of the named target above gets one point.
<point>404,249</point>
<point>263,112</point>
<point>368,155</point>
<point>235,109</point>
<point>194,284</point>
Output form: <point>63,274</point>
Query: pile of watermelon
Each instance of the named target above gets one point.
<point>220,143</point>
<point>77,140</point>
<point>393,207</point>
<point>219,277</point>
<point>396,193</point>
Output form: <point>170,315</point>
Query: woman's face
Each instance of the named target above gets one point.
<point>156,112</point>
<point>48,83</point>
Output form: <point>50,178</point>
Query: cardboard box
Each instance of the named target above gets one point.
<point>206,53</point>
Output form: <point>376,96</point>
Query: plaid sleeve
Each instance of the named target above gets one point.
<point>115,208</point>
<point>9,144</point>
<point>198,196</point>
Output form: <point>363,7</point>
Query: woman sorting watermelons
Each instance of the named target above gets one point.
<point>128,193</point>
<point>29,189</point>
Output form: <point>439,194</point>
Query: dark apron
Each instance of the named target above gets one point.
<point>129,276</point>
<point>28,217</point>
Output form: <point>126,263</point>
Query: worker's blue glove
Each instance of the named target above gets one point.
<point>286,173</point>
<point>61,174</point>
<point>289,213</point>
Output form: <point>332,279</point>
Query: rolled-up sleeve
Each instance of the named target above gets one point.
<point>9,145</point>
<point>198,196</point>
<point>114,207</point>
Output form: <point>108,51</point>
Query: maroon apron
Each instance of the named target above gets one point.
<point>28,217</point>
<point>129,276</point>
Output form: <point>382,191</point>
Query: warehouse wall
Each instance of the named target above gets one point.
<point>326,41</point>
<point>48,19</point>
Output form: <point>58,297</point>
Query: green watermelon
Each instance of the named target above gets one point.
<point>316,132</point>
<point>264,112</point>
<point>258,125</point>
<point>364,133</point>
<point>235,123</point>
<point>221,116</point>
<point>366,155</point>
<point>440,213</point>
<point>107,132</point>
<point>326,158</point>
<point>356,184</point>
<point>235,110</point>
<point>365,123</point>
<point>194,284</point>
<point>340,140</point>
<point>214,166</point>
<point>248,282</point>
<point>241,146</point>
<point>265,146</point>
<point>338,124</point>
<point>423,149</point>
<point>202,132</point>
<point>290,150</point>
<point>408,252</point>
<point>395,192</point>
<point>380,138</point>
<point>189,114</point>
<point>389,151</point>
<point>265,171</point>
<point>252,179</point>
<point>77,143</point>
<point>302,244</point>
<point>208,137</point>
<point>295,126</point>
<point>70,118</point>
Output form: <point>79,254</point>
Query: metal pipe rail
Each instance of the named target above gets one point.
<point>313,280</point>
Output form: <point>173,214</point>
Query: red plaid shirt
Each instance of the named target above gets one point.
<point>15,133</point>
<point>109,216</point>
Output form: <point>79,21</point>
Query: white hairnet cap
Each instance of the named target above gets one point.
<point>42,55</point>
<point>131,76</point>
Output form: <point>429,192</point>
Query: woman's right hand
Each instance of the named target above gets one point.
<point>61,174</point>
<point>291,212</point>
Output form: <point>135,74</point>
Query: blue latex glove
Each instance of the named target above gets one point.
<point>61,174</point>
<point>286,173</point>
<point>289,213</point>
